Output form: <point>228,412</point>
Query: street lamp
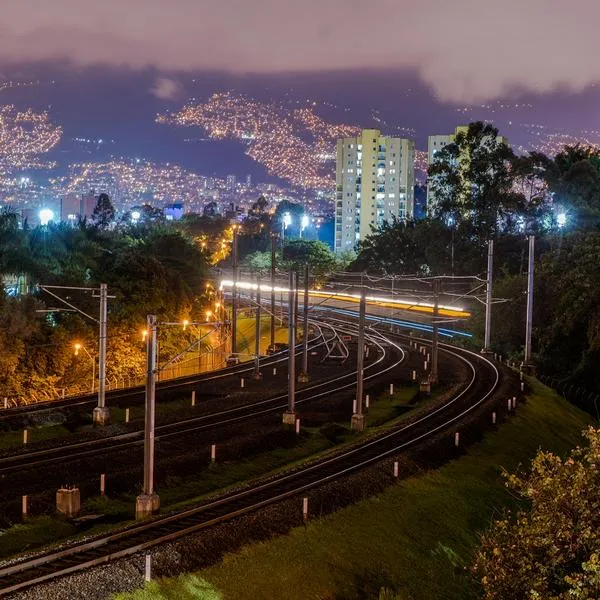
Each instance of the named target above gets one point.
<point>287,221</point>
<point>79,347</point>
<point>304,224</point>
<point>46,215</point>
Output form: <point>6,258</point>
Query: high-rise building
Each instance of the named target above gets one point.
<point>231,183</point>
<point>375,180</point>
<point>437,143</point>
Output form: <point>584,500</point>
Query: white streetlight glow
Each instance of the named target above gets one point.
<point>136,215</point>
<point>46,215</point>
<point>305,221</point>
<point>287,219</point>
<point>561,219</point>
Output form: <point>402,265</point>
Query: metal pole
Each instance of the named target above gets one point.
<point>289,417</point>
<point>149,502</point>
<point>257,374</point>
<point>101,412</point>
<point>391,309</point>
<point>358,418</point>
<point>488,298</point>
<point>150,406</point>
<point>93,373</point>
<point>529,300</point>
<point>273,238</point>
<point>304,375</point>
<point>234,299</point>
<point>434,345</point>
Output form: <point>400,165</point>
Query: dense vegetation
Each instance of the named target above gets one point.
<point>483,191</point>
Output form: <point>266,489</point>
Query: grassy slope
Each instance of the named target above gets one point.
<point>415,538</point>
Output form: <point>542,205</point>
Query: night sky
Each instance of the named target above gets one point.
<point>116,64</point>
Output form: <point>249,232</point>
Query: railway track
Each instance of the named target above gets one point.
<point>484,381</point>
<point>70,452</point>
<point>136,394</point>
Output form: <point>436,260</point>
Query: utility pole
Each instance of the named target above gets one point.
<point>102,412</point>
<point>149,502</point>
<point>257,373</point>
<point>434,346</point>
<point>304,377</point>
<point>528,364</point>
<point>358,418</point>
<point>273,257</point>
<point>289,417</point>
<point>234,359</point>
<point>488,300</point>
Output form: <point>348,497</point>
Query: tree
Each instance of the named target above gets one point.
<point>318,256</point>
<point>471,181</point>
<point>104,212</point>
<point>551,549</point>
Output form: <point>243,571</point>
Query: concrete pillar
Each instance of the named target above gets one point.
<point>68,501</point>
<point>193,397</point>
<point>25,436</point>
<point>396,469</point>
<point>358,422</point>
<point>457,439</point>
<point>493,418</point>
<point>127,415</point>
<point>148,567</point>
<point>146,505</point>
<point>213,453</point>
<point>391,389</point>
<point>25,507</point>
<point>103,484</point>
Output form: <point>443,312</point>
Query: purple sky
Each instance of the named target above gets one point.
<point>465,50</point>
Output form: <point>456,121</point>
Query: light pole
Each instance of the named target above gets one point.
<point>528,363</point>
<point>257,373</point>
<point>149,502</point>
<point>488,299</point>
<point>79,347</point>
<point>101,412</point>
<point>358,418</point>
<point>304,377</point>
<point>289,417</point>
<point>234,359</point>
<point>287,221</point>
<point>273,240</point>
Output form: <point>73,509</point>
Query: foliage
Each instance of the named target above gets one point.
<point>550,550</point>
<point>317,255</point>
<point>104,212</point>
<point>471,181</point>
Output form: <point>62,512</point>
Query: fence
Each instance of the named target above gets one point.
<point>585,399</point>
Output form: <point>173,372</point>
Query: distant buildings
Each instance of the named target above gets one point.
<point>437,143</point>
<point>374,182</point>
<point>231,183</point>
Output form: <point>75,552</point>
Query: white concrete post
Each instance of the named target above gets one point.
<point>24,506</point>
<point>391,389</point>
<point>396,469</point>
<point>127,415</point>
<point>457,439</point>
<point>213,453</point>
<point>148,568</point>
<point>25,436</point>
<point>305,508</point>
<point>493,418</point>
<point>193,397</point>
<point>297,426</point>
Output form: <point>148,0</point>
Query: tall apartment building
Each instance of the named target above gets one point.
<point>437,143</point>
<point>375,180</point>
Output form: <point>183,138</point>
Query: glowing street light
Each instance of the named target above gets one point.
<point>304,223</point>
<point>136,215</point>
<point>561,219</point>
<point>144,335</point>
<point>185,324</point>
<point>46,215</point>
<point>208,315</point>
<point>287,221</point>
<point>77,346</point>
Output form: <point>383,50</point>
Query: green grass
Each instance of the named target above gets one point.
<point>14,439</point>
<point>33,533</point>
<point>415,539</point>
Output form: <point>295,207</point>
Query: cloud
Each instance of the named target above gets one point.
<point>166,88</point>
<point>464,49</point>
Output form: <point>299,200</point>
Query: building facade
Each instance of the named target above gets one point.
<point>375,182</point>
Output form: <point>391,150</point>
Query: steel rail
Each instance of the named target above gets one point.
<point>171,527</point>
